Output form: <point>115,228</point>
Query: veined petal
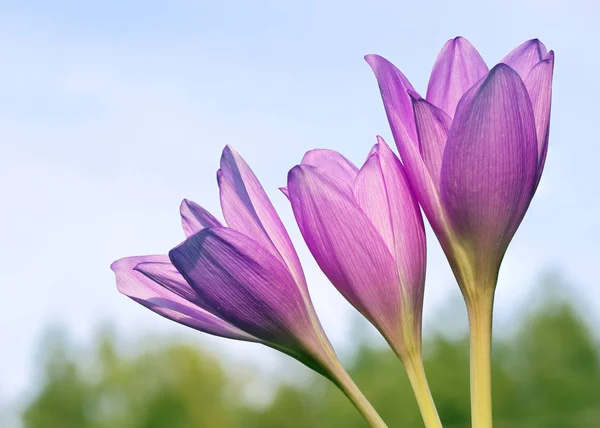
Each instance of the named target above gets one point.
<point>242,216</point>
<point>160,270</point>
<point>489,164</point>
<point>346,245</point>
<point>397,93</point>
<point>383,192</point>
<point>371,195</point>
<point>394,87</point>
<point>247,209</point>
<point>407,225</point>
<point>525,57</point>
<point>167,303</point>
<point>245,284</point>
<point>331,162</point>
<point>539,86</point>
<point>194,218</point>
<point>432,130</point>
<point>457,68</point>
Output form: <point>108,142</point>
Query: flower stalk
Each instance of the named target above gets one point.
<point>343,381</point>
<point>413,365</point>
<point>480,325</point>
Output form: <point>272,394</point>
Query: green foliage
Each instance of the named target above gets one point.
<point>177,387</point>
<point>547,375</point>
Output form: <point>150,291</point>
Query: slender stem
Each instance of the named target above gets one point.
<point>416,374</point>
<point>480,323</point>
<point>349,388</point>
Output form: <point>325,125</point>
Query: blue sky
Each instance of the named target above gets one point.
<point>114,112</point>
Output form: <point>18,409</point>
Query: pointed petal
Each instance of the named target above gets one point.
<point>539,86</point>
<point>432,129</point>
<point>371,195</point>
<point>525,57</point>
<point>457,68</point>
<point>165,302</point>
<point>394,87</point>
<point>397,94</point>
<point>248,210</point>
<point>346,245</point>
<point>161,271</point>
<point>490,164</point>
<point>194,218</point>
<point>407,225</point>
<point>331,162</point>
<point>241,215</point>
<point>245,284</point>
<point>383,192</point>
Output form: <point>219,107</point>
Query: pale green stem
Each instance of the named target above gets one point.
<point>416,374</point>
<point>480,323</point>
<point>349,388</point>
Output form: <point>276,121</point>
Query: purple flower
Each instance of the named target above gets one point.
<point>474,148</point>
<point>365,230</point>
<point>242,282</point>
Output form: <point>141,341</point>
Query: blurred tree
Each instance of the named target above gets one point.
<point>558,369</point>
<point>177,387</point>
<point>64,399</point>
<point>547,375</point>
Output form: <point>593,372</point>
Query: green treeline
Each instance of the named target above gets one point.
<point>545,375</point>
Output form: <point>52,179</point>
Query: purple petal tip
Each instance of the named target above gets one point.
<point>114,266</point>
<point>373,59</point>
<point>414,96</point>
<point>500,68</point>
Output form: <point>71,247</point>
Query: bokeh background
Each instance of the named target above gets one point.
<point>114,111</point>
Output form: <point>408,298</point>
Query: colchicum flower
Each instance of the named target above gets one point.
<point>474,149</point>
<point>243,281</point>
<point>365,230</point>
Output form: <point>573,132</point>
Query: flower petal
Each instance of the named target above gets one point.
<point>383,192</point>
<point>457,68</point>
<point>247,209</point>
<point>539,86</point>
<point>331,162</point>
<point>346,245</point>
<point>167,303</point>
<point>489,164</point>
<point>161,271</point>
<point>432,129</point>
<point>240,215</point>
<point>243,283</point>
<point>194,218</point>
<point>407,222</point>
<point>371,195</point>
<point>525,57</point>
<point>397,93</point>
<point>394,87</point>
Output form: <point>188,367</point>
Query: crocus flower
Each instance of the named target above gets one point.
<point>241,281</point>
<point>474,149</point>
<point>365,230</point>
